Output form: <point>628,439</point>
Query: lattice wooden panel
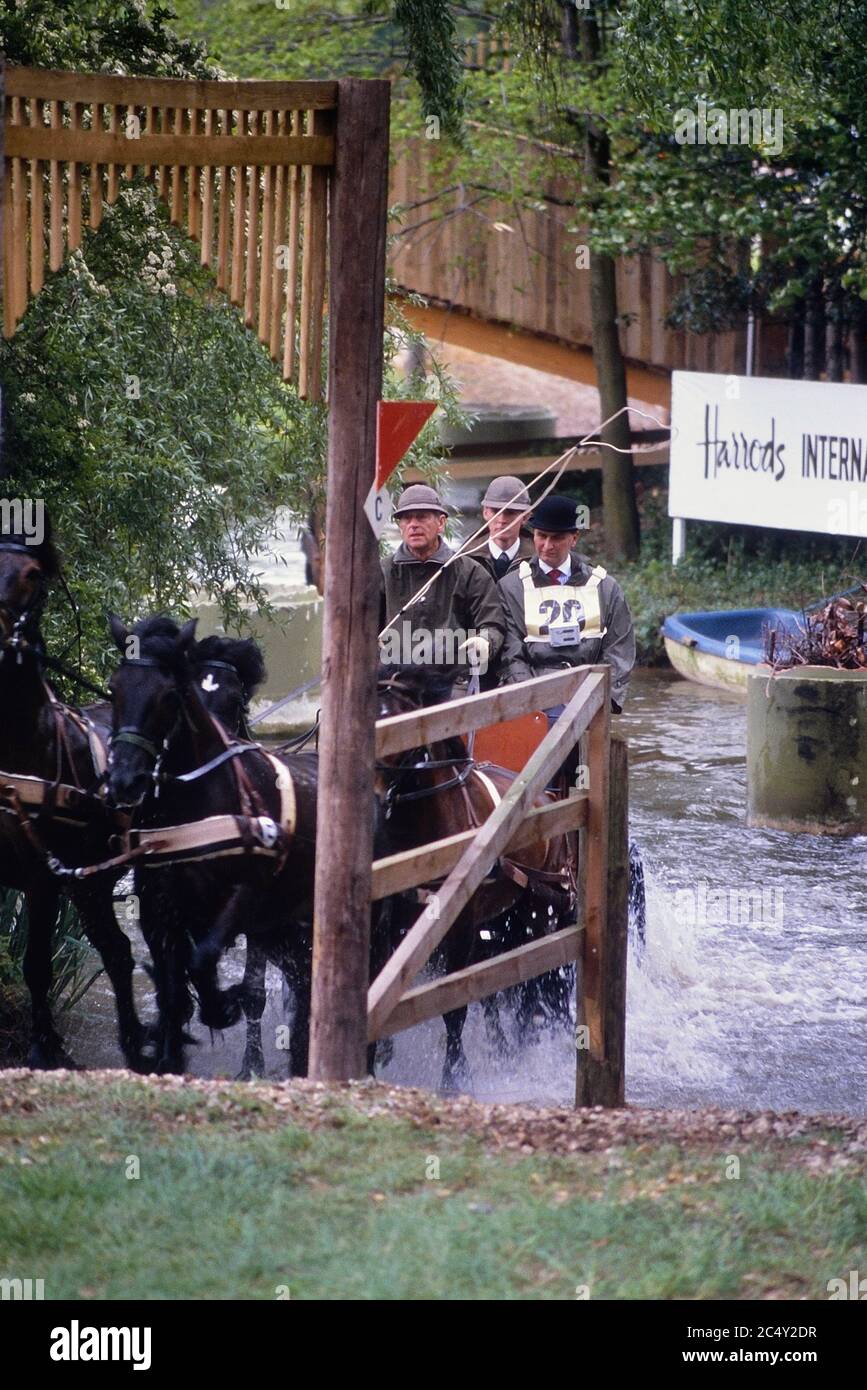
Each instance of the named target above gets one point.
<point>243,166</point>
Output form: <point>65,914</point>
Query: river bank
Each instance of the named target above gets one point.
<point>211,1189</point>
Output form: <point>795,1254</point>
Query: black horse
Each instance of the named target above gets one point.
<point>229,670</point>
<point>165,740</point>
<point>51,758</point>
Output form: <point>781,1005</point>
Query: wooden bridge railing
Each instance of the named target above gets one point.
<point>243,166</point>
<point>597,811</point>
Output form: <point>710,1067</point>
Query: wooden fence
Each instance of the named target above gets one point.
<point>242,166</point>
<point>599,812</point>
<point>519,265</point>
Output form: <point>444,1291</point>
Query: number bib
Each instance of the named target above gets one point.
<point>562,614</point>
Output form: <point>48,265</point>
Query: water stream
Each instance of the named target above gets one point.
<point>751,989</point>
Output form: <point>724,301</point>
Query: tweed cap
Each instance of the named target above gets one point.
<point>419,498</point>
<point>507,492</point>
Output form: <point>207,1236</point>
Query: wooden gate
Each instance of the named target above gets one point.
<point>598,810</point>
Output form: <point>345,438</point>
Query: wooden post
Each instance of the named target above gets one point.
<point>344,832</point>
<point>4,194</point>
<point>600,1079</point>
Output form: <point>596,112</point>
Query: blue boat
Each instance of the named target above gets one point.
<point>721,648</point>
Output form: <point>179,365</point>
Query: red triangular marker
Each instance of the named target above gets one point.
<point>398,423</point>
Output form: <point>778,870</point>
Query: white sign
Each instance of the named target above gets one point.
<point>377,507</point>
<point>764,452</point>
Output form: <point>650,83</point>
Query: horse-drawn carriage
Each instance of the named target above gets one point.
<point>222,832</point>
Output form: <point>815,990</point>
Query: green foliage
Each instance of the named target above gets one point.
<point>137,406</point>
<point>152,424</point>
<point>71,966</point>
<point>98,36</point>
<point>430,31</point>
<point>699,205</point>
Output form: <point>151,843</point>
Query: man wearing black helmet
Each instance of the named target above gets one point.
<point>563,611</point>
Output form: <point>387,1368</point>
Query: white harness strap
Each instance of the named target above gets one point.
<point>286,788</point>
<point>97,747</point>
<point>31,793</point>
<point>215,837</point>
<point>489,787</point>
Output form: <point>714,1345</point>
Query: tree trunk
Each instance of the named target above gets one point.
<point>834,337</point>
<point>858,343</point>
<point>814,335</point>
<point>795,348</point>
<point>619,507</point>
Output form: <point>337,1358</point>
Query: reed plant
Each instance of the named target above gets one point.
<point>72,971</point>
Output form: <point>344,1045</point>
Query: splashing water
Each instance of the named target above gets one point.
<point>751,988</point>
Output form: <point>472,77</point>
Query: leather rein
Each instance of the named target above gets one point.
<point>423,763</point>
<point>253,831</point>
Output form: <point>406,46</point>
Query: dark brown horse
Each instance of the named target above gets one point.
<point>50,758</point>
<point>431,793</point>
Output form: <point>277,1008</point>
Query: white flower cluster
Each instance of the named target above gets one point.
<point>158,270</point>
<point>82,272</point>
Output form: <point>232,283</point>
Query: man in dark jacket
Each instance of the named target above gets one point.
<point>561,610</point>
<point>505,507</point>
<point>458,620</point>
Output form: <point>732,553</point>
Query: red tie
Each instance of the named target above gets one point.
<point>560,575</point>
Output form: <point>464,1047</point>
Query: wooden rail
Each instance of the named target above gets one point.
<point>598,937</point>
<point>243,166</point>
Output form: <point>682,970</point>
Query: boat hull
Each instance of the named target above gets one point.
<point>720,672</point>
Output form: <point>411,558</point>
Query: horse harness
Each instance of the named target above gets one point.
<point>252,832</point>
<point>210,837</point>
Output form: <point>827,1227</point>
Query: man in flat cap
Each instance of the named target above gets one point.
<point>561,610</point>
<point>505,507</point>
<point>458,620</point>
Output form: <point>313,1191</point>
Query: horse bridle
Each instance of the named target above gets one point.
<point>128,733</point>
<point>421,764</point>
<point>15,640</point>
<point>213,664</point>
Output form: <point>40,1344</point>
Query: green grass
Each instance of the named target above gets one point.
<point>236,1199</point>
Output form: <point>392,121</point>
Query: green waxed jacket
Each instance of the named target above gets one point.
<point>463,596</point>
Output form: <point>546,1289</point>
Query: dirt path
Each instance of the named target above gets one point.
<point>819,1143</point>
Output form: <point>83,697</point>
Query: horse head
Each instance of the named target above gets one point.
<point>27,567</point>
<point>228,671</point>
<point>401,689</point>
<point>148,689</point>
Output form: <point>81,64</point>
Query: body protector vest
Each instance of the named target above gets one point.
<point>562,614</point>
